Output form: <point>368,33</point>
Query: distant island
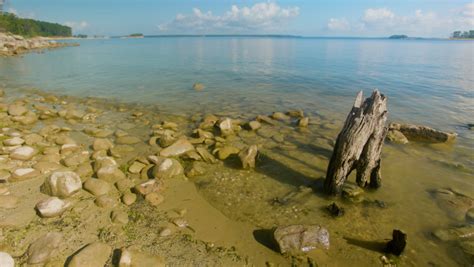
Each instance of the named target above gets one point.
<point>32,28</point>
<point>398,36</point>
<point>135,35</point>
<point>463,35</point>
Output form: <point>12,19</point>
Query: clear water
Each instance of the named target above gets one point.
<point>428,82</point>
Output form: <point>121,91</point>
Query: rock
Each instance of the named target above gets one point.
<point>105,202</point>
<point>136,167</point>
<point>4,176</point>
<point>396,136</point>
<point>247,157</point>
<point>266,119</point>
<point>454,204</point>
<point>352,193</point>
<point>154,199</point>
<point>129,198</point>
<point>102,144</point>
<point>84,170</point>
<point>110,174</point>
<point>177,148</point>
<point>468,248</point>
<point>121,151</point>
<point>301,238</point>
<point>198,86</point>
<point>124,185</point>
<point>76,159</point>
<point>180,222</point>
<point>62,184</point>
<point>133,258</point>
<point>295,113</point>
<point>303,122</point>
<point>128,140</point>
<point>335,210</point>
<point>9,201</point>
<point>167,139</point>
<point>204,134</point>
<point>205,155</point>
<point>15,141</point>
<point>23,153</point>
<point>96,187</point>
<point>452,234</point>
<point>24,174</point>
<point>148,187</point>
<point>165,232</point>
<point>6,260</point>
<point>32,139</point>
<point>423,133</point>
<point>168,168</point>
<point>470,126</point>
<point>470,215</point>
<point>226,127</point>
<point>254,125</point>
<point>225,151</point>
<point>279,116</point>
<point>195,169</point>
<point>93,255</point>
<point>45,167</point>
<point>64,140</point>
<point>119,217</point>
<point>17,110</point>
<point>51,207</point>
<point>397,244</point>
<point>44,248</point>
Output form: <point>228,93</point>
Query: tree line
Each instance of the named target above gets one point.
<point>465,34</point>
<point>30,27</point>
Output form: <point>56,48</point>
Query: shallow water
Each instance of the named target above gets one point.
<point>427,82</point>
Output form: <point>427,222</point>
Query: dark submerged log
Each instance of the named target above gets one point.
<point>359,144</point>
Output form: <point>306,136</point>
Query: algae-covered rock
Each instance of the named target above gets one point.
<point>396,136</point>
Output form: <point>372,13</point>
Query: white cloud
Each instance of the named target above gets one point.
<point>267,16</point>
<point>383,21</point>
<point>77,26</point>
<point>27,15</point>
<point>341,24</point>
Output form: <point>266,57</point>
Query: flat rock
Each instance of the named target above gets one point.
<point>23,153</point>
<point>129,198</point>
<point>128,140</point>
<point>110,174</point>
<point>44,248</point>
<point>93,255</point>
<point>96,187</point>
<point>51,207</point>
<point>177,148</point>
<point>148,187</point>
<point>120,217</point>
<point>15,141</point>
<point>225,151</point>
<point>255,125</point>
<point>105,202</point>
<point>423,133</point>
<point>22,174</point>
<point>62,184</point>
<point>133,258</point>
<point>154,199</point>
<point>136,167</point>
<point>102,144</point>
<point>301,238</point>
<point>456,233</point>
<point>17,110</point>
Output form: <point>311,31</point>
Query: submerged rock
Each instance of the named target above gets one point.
<point>226,127</point>
<point>133,258</point>
<point>62,184</point>
<point>9,201</point>
<point>247,157</point>
<point>93,255</point>
<point>196,169</point>
<point>303,122</point>
<point>301,238</point>
<point>396,136</point>
<point>254,125</point>
<point>423,133</point>
<point>198,86</point>
<point>44,248</point>
<point>457,233</point>
<point>335,210</point>
<point>225,151</point>
<point>168,168</point>
<point>23,153</point>
<point>51,207</point>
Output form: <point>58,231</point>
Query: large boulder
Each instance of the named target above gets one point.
<point>93,255</point>
<point>423,133</point>
<point>301,238</point>
<point>62,184</point>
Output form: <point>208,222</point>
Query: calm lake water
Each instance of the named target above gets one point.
<point>429,82</point>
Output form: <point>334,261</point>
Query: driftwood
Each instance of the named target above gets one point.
<point>359,144</point>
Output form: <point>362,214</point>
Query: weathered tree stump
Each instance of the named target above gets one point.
<point>359,144</point>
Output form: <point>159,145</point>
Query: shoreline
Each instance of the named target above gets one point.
<point>14,45</point>
<point>84,135</point>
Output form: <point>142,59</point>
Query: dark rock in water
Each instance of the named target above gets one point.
<point>397,244</point>
<point>335,210</point>
<point>301,238</point>
<point>452,234</point>
<point>423,133</point>
<point>470,126</point>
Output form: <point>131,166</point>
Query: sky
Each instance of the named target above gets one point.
<point>361,18</point>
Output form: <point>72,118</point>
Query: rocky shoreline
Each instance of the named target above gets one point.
<point>13,45</point>
<point>86,182</point>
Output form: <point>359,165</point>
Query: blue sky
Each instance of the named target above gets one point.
<point>299,17</point>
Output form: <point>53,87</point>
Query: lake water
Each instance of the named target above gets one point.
<point>429,82</point>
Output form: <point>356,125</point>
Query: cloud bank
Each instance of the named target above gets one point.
<point>383,21</point>
<point>264,16</point>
